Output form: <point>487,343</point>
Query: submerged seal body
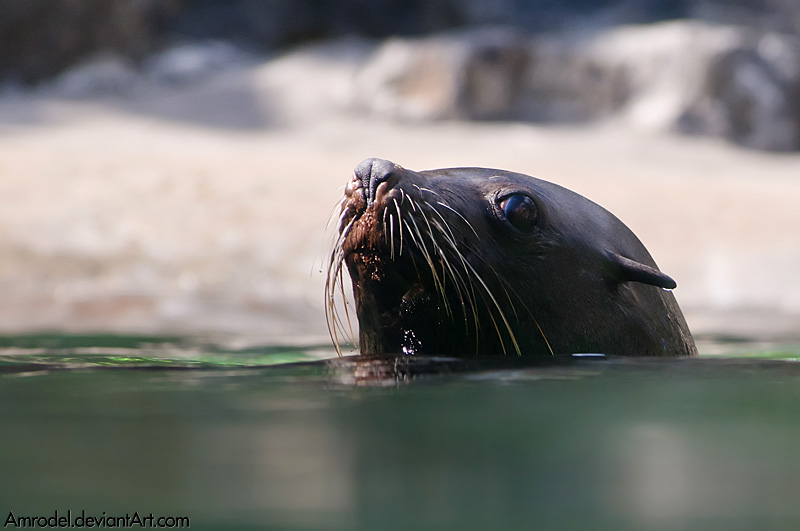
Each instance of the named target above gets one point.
<point>478,261</point>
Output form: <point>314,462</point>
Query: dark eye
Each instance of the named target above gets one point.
<point>520,211</point>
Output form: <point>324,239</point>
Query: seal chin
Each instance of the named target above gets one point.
<point>395,323</point>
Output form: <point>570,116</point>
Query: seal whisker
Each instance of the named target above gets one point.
<point>447,234</point>
<point>471,295</point>
<point>391,235</point>
<point>399,217</point>
<point>446,226</point>
<point>347,312</point>
<point>506,293</point>
<point>506,285</point>
<point>499,310</point>
<point>450,238</point>
<point>439,285</point>
<point>334,321</point>
<point>530,313</point>
<point>334,278</point>
<point>457,213</point>
<point>338,213</point>
<point>464,292</point>
<point>385,228</point>
<point>331,317</point>
<point>420,243</point>
<point>457,281</point>
<point>422,189</point>
<point>434,243</point>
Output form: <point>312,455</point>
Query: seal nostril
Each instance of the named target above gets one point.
<point>373,172</point>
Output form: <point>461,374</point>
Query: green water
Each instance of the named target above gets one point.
<point>242,439</point>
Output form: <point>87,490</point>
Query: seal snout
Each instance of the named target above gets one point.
<point>372,173</point>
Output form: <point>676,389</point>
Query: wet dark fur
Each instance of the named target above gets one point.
<point>437,269</point>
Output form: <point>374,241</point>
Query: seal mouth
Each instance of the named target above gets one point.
<point>391,286</point>
<point>396,308</point>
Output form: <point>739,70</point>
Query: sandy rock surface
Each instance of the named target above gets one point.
<point>201,207</point>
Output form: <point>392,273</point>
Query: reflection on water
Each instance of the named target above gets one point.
<point>600,444</point>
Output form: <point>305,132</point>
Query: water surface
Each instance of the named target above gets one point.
<point>267,437</point>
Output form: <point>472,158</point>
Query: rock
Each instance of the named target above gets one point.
<point>681,76</point>
<point>469,75</point>
<point>102,75</point>
<point>313,82</point>
<point>193,61</point>
<point>42,38</point>
<point>750,96</point>
<point>109,74</point>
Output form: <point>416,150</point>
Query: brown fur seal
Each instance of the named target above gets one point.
<point>477,261</point>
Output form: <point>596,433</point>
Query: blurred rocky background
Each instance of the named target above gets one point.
<point>169,165</point>
<point>723,68</point>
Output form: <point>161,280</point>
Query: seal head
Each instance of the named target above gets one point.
<point>478,261</point>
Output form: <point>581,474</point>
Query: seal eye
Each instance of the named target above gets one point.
<point>520,211</point>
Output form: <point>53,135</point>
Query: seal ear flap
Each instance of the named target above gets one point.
<point>632,271</point>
